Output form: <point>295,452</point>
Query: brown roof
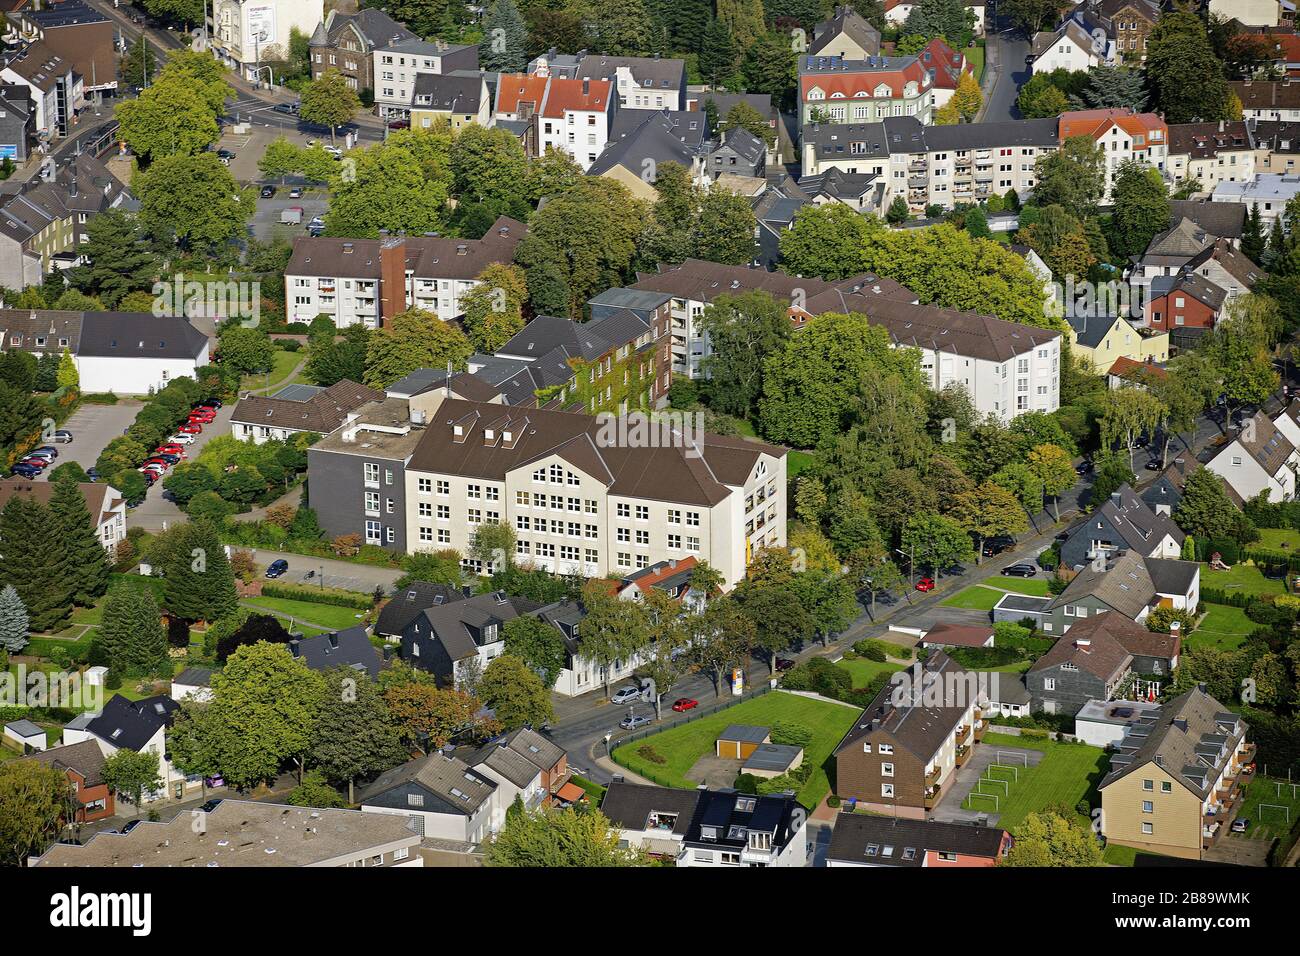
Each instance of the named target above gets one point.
<point>958,635</point>
<point>1267,94</point>
<point>84,759</point>
<point>1268,446</point>
<point>323,412</point>
<point>1092,645</point>
<point>95,494</point>
<point>1206,140</point>
<point>427,257</point>
<point>917,726</point>
<point>695,474</point>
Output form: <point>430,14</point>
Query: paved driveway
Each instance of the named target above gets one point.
<point>337,574</point>
<point>93,427</point>
<point>1240,850</point>
<point>158,510</point>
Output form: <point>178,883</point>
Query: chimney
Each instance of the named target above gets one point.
<point>586,86</point>
<point>392,279</point>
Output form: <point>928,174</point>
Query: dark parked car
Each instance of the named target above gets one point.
<point>784,663</point>
<point>131,825</point>
<point>48,450</point>
<point>268,192</point>
<point>277,568</point>
<point>997,545</point>
<point>24,471</point>
<point>1020,570</point>
<point>92,474</point>
<point>211,805</point>
<point>1155,464</point>
<point>1083,467</point>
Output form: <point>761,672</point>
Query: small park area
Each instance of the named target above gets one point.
<point>666,757</point>
<point>1067,775</point>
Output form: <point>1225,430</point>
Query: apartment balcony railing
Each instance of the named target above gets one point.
<point>961,732</point>
<point>932,796</point>
<point>963,755</point>
<point>932,775</point>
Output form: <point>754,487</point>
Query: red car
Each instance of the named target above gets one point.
<point>202,419</point>
<point>925,584</point>
<point>192,428</point>
<point>683,704</point>
<point>37,462</point>
<point>169,450</point>
<point>162,462</point>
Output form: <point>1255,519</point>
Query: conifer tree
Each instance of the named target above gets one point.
<point>132,636</point>
<point>503,47</point>
<point>13,620</point>
<point>37,568</point>
<point>199,584</point>
<point>76,531</point>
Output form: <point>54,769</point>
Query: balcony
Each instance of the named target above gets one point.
<point>916,166</point>
<point>980,728</point>
<point>962,732</point>
<point>932,796</point>
<point>963,755</point>
<point>933,774</point>
<point>916,181</point>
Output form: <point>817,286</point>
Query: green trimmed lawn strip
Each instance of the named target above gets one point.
<point>974,598</point>
<point>1265,790</point>
<point>323,615</point>
<point>1223,627</point>
<point>1036,587</point>
<point>864,670</point>
<point>683,745</point>
<point>1277,539</point>
<point>797,461</point>
<point>1067,774</point>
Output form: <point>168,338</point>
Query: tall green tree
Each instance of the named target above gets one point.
<point>39,570</point>
<point>77,531</point>
<point>34,803</point>
<point>198,583</point>
<point>828,241</point>
<point>354,735</point>
<point>744,330</point>
<point>539,645</point>
<point>935,542</point>
<point>549,838</point>
<point>170,117</point>
<point>413,339</point>
<point>503,48</point>
<point>1185,77</point>
<point>14,626</point>
<point>132,774</point>
<point>329,101</point>
<point>516,695</point>
<point>194,201</point>
<point>1141,208</point>
<point>988,511</point>
<point>1047,839</point>
<point>132,636</point>
<point>119,260</point>
<point>1073,177</point>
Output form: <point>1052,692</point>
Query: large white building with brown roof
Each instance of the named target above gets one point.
<point>368,281</point>
<point>592,496</point>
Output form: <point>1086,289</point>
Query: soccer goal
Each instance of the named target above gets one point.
<point>1005,785</point>
<point>1006,756</point>
<point>1014,771</point>
<point>1282,783</point>
<point>970,800</point>
<point>1286,811</point>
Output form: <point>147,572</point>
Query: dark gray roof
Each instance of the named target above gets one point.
<point>139,335</point>
<point>629,805</point>
<point>918,725</point>
<point>619,328</point>
<point>1024,602</point>
<point>459,788</point>
<point>547,332</point>
<point>1191,738</point>
<point>845,20</point>
<point>745,733</point>
<point>772,757</point>
<point>744,144</point>
<point>24,728</point>
<point>502,759</point>
<point>643,300</point>
<point>348,648</point>
<point>1003,687</point>
<point>1193,284</point>
<point>1090,329</point>
<point>132,724</point>
<point>194,677</point>
<point>657,139</point>
<point>447,92</point>
<point>411,601</point>
<point>862,838</point>
<point>1171,576</point>
<point>1134,521</point>
<point>1223,219</point>
<point>453,625</point>
<point>378,28</point>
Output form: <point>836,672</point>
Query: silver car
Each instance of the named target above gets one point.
<point>626,695</point>
<point>633,721</point>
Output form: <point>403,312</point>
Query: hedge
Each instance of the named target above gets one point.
<point>334,596</point>
<point>1232,599</point>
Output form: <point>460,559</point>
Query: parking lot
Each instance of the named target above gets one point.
<point>266,223</point>
<point>158,511</point>
<point>337,574</point>
<point>93,427</point>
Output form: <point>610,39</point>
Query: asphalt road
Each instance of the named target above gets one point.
<point>336,574</point>
<point>158,510</point>
<point>1005,52</point>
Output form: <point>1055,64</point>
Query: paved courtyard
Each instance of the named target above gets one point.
<point>93,427</point>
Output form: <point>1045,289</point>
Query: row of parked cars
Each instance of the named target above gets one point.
<point>172,451</point>
<point>38,459</point>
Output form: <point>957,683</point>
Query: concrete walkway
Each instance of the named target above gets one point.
<point>950,808</point>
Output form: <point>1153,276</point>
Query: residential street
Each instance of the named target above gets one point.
<point>1005,52</point>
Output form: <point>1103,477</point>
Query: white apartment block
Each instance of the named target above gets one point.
<point>584,499</point>
<point>397,66</point>
<point>570,115</point>
<point>944,165</point>
<point>1270,192</point>
<point>1211,153</point>
<point>367,281</point>
<point>249,33</point>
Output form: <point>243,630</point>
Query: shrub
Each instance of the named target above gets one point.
<point>833,802</point>
<point>334,596</point>
<point>647,752</point>
<point>792,734</point>
<point>871,649</point>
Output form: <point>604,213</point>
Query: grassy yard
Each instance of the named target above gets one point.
<point>1243,578</point>
<point>1223,627</point>
<point>797,461</point>
<point>975,57</point>
<point>864,670</point>
<point>975,598</point>
<point>681,746</point>
<point>1037,587</point>
<point>1273,793</point>
<point>1117,855</point>
<point>1277,539</point>
<point>1067,774</point>
<point>282,364</point>
<point>326,616</point>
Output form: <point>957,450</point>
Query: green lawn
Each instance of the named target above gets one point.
<point>1117,855</point>
<point>974,598</point>
<point>864,670</point>
<point>1277,539</point>
<point>1223,627</point>
<point>1067,774</point>
<point>797,461</point>
<point>282,364</point>
<point>1036,587</point>
<point>323,615</point>
<point>681,746</point>
<point>1243,578</point>
<point>1271,823</point>
<point>975,57</point>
